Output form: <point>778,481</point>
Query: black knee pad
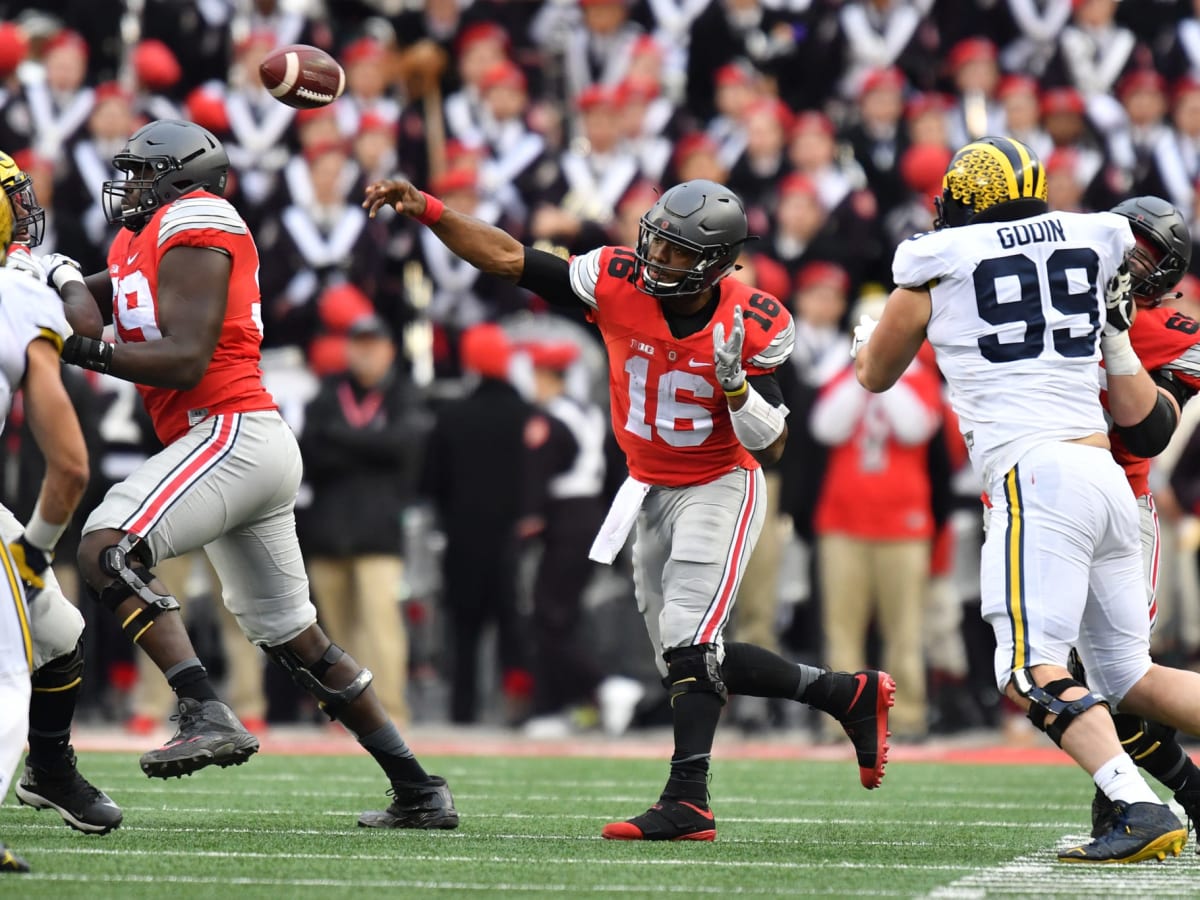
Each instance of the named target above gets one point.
<point>1141,737</point>
<point>694,668</point>
<point>61,673</point>
<point>1044,702</point>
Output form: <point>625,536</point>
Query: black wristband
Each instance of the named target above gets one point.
<point>87,353</point>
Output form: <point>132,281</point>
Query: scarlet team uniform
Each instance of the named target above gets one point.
<point>1165,340</point>
<point>701,493</point>
<point>228,477</point>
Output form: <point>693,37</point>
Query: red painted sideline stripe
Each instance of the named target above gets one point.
<point>466,744</point>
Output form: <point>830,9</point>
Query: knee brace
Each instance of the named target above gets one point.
<point>128,563</point>
<point>61,673</point>
<point>694,668</point>
<point>1044,701</point>
<point>331,700</point>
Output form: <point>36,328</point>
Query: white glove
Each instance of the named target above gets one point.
<point>61,270</point>
<point>727,354</point>
<point>1119,303</point>
<point>862,333</point>
<point>21,260</point>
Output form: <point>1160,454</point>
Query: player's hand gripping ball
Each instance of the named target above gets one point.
<point>301,76</point>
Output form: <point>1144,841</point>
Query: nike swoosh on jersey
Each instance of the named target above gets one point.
<point>129,261</point>
<point>697,363</point>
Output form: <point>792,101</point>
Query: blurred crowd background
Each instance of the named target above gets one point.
<point>454,427</point>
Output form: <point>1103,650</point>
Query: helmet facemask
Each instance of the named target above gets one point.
<point>130,203</point>
<point>659,279</point>
<point>29,223</point>
<point>1154,272</point>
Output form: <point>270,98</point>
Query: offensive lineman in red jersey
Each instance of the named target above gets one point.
<point>182,292</point>
<point>696,409</point>
<point>1168,344</point>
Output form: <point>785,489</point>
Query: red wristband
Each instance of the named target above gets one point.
<point>433,210</point>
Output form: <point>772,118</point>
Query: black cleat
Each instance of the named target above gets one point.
<point>209,735</point>
<point>1143,831</point>
<point>81,804</point>
<point>10,862</point>
<point>666,820</point>
<point>865,720</point>
<point>1104,814</point>
<point>1190,801</point>
<point>427,805</point>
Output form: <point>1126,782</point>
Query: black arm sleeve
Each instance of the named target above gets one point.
<point>1150,436</point>
<point>549,277</point>
<point>767,387</point>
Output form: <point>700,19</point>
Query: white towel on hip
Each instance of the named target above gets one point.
<point>619,521</point>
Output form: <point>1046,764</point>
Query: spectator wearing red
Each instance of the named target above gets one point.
<point>57,99</point>
<point>157,76</point>
<point>975,74</point>
<point>1020,98</point>
<point>696,155</point>
<point>1064,117</point>
<point>801,230</point>
<point>737,86</point>
<point>600,52</point>
<point>927,118</point>
<point>323,239</point>
<point>1066,181</point>
<point>477,49</point>
<point>1131,144</point>
<point>367,90</point>
<point>877,136</point>
<point>755,176</point>
<point>87,163</point>
<point>644,115</point>
<point>513,151</point>
<point>597,171</point>
<point>258,123</point>
<point>874,526</point>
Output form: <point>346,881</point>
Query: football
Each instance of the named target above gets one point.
<point>301,76</point>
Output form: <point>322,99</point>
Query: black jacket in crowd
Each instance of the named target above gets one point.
<point>361,458</point>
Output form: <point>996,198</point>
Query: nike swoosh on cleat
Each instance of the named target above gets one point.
<point>707,813</point>
<point>862,685</point>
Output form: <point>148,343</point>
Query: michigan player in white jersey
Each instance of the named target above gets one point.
<point>1019,305</point>
<point>51,779</point>
<point>32,330</point>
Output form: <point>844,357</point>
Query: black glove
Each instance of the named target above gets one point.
<point>1118,299</point>
<point>87,353</point>
<point>32,563</point>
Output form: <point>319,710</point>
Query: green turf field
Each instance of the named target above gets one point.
<point>283,827</point>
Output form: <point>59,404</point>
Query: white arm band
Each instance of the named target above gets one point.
<point>757,424</point>
<point>1119,358</point>
<point>42,534</point>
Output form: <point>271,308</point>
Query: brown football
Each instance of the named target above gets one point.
<point>301,76</point>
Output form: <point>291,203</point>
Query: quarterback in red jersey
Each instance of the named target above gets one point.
<point>181,289</point>
<point>1168,344</point>
<point>696,409</point>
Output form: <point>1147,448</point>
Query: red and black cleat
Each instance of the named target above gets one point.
<point>866,722</point>
<point>666,820</point>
